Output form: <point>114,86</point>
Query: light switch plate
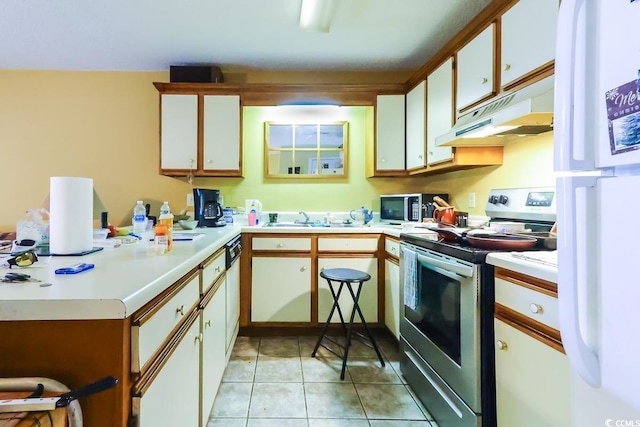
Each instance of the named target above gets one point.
<point>472,200</point>
<point>189,199</point>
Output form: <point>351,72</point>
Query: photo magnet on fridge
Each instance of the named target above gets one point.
<point>623,113</point>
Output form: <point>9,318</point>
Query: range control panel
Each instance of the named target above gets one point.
<point>537,203</point>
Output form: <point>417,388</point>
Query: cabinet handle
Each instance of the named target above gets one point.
<point>507,67</point>
<point>198,338</point>
<point>281,245</point>
<point>393,250</point>
<point>420,156</point>
<point>536,308</point>
<point>382,160</point>
<point>209,161</point>
<point>207,324</point>
<point>180,310</point>
<point>218,269</point>
<point>303,268</point>
<point>431,153</point>
<point>485,80</point>
<point>501,345</point>
<point>191,161</point>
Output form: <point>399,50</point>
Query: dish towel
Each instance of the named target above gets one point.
<point>411,290</point>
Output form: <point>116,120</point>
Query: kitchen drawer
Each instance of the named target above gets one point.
<point>212,268</point>
<point>281,244</point>
<point>154,323</point>
<point>392,247</point>
<point>369,244</point>
<point>535,305</point>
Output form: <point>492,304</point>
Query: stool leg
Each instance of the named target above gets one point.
<point>349,329</point>
<point>336,298</point>
<point>356,307</point>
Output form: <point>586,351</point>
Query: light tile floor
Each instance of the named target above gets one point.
<point>274,382</point>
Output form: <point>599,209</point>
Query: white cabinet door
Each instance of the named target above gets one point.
<point>213,350</point>
<point>233,304</point>
<point>368,301</point>
<point>280,289</point>
<point>221,129</point>
<point>390,132</point>
<point>172,399</point>
<point>392,297</point>
<point>179,132</point>
<point>532,381</point>
<point>475,69</point>
<point>439,111</point>
<point>528,37</point>
<point>416,126</point>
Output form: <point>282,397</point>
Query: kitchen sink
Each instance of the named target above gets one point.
<point>286,224</point>
<point>306,225</point>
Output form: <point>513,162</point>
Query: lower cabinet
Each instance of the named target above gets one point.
<point>169,394</point>
<point>232,305</point>
<point>368,300</point>
<point>532,381</point>
<point>392,296</point>
<point>214,345</point>
<point>280,289</point>
<point>532,371</point>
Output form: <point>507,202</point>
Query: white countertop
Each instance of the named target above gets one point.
<point>530,268</point>
<point>123,280</point>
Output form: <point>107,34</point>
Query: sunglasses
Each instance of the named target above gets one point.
<point>25,259</point>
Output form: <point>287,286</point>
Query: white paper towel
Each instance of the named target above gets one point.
<point>70,215</point>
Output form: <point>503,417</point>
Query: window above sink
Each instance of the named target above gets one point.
<point>306,150</point>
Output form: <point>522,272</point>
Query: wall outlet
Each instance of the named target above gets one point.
<point>472,200</point>
<point>189,199</point>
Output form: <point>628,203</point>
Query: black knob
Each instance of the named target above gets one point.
<point>503,199</point>
<point>493,199</point>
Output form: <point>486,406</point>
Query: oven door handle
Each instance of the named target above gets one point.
<point>459,269</point>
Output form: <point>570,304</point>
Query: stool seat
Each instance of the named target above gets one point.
<point>345,275</point>
<point>347,278</point>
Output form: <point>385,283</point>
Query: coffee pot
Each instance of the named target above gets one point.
<point>361,215</point>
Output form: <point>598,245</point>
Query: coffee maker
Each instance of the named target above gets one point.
<point>208,211</point>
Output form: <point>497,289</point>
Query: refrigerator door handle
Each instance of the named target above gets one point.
<point>584,360</point>
<point>564,97</point>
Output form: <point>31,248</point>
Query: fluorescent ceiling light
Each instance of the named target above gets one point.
<point>315,15</point>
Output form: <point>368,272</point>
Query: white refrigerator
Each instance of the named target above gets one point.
<point>597,159</point>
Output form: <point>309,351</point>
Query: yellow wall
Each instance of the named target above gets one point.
<point>104,125</point>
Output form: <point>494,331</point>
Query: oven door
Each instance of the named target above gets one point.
<point>441,318</point>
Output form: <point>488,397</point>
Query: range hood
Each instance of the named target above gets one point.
<point>519,114</point>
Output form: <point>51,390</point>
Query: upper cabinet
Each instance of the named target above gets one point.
<point>439,111</point>
<point>221,134</point>
<point>416,126</point>
<point>475,65</point>
<point>200,135</point>
<point>390,133</point>
<point>528,38</point>
<point>178,132</point>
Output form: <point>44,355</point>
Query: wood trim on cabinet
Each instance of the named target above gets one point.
<point>538,74</point>
<point>143,383</point>
<point>212,290</point>
<point>207,262</point>
<point>381,283</point>
<point>274,94</point>
<point>539,331</point>
<point>245,280</point>
<point>529,282</point>
<point>466,158</point>
<point>149,309</point>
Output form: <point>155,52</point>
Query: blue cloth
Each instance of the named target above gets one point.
<point>411,286</point>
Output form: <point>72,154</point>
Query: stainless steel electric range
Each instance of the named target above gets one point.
<point>447,305</point>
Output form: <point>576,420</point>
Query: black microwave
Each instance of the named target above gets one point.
<point>399,208</point>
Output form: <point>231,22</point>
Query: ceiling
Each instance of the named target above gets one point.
<point>150,35</point>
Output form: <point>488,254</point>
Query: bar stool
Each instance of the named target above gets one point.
<point>346,277</point>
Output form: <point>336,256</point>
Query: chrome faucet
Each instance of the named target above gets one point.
<point>306,217</point>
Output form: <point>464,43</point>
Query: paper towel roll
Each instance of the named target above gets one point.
<point>70,215</point>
